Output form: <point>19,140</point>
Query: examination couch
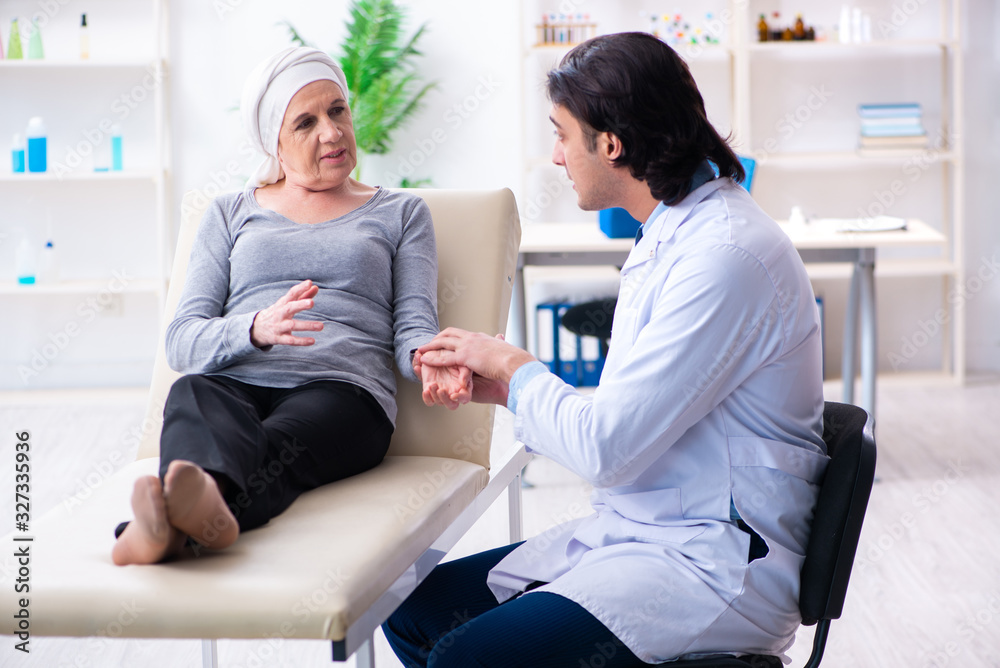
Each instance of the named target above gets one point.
<point>342,557</point>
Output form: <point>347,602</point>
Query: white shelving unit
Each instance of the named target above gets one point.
<point>110,228</point>
<point>749,87</point>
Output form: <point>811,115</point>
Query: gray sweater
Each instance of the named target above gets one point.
<point>376,269</point>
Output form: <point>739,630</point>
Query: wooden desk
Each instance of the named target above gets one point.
<point>817,241</point>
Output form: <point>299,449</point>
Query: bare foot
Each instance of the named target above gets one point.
<point>148,538</point>
<point>196,507</point>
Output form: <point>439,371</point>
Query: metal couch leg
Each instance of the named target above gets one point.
<point>365,656</point>
<point>210,653</point>
<point>514,508</point>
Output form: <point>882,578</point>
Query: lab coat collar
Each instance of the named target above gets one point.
<point>665,220</point>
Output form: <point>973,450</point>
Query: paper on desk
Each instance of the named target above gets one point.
<point>875,224</point>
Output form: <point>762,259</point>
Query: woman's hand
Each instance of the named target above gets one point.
<point>445,386</point>
<point>275,324</point>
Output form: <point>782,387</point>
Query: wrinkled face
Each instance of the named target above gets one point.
<point>589,170</point>
<point>316,146</point>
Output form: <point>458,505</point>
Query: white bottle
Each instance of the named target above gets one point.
<point>48,267</point>
<point>26,261</point>
<point>844,27</point>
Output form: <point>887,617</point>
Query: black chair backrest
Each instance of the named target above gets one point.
<point>839,512</point>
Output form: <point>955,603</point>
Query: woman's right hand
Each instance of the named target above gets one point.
<point>275,324</point>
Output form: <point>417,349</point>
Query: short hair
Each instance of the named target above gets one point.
<point>637,88</point>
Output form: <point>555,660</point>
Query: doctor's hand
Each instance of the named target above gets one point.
<point>275,324</point>
<point>492,359</point>
<point>449,386</point>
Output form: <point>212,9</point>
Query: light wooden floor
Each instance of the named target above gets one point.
<point>925,592</point>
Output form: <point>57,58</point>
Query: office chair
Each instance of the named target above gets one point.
<point>836,526</point>
<point>593,318</point>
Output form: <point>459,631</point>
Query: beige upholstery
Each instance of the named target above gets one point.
<point>313,571</point>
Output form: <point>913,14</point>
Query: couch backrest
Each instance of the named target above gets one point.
<point>478,234</point>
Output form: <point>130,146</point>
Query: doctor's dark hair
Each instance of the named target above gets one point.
<point>637,88</point>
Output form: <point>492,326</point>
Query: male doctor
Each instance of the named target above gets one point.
<point>703,440</point>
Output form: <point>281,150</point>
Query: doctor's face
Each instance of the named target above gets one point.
<point>586,166</point>
<point>316,144</point>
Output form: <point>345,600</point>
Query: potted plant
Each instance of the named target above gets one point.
<point>379,65</point>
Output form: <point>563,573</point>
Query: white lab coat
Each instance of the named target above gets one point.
<point>712,392</point>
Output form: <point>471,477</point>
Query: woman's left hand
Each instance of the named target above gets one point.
<point>448,386</point>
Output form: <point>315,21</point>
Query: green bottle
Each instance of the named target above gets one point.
<point>14,51</point>
<point>35,50</point>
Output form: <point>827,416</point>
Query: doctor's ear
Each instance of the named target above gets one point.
<point>611,146</point>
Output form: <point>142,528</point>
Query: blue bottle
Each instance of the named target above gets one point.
<point>116,149</point>
<point>38,149</point>
<point>17,154</point>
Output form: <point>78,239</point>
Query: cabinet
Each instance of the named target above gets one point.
<point>793,107</point>
<point>97,323</point>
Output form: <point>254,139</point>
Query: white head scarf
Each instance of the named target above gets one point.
<point>266,94</point>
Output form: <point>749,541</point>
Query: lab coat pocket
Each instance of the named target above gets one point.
<point>623,327</point>
<point>656,516</point>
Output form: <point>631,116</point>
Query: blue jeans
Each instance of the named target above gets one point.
<point>453,619</point>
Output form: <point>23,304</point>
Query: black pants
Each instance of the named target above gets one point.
<point>269,445</point>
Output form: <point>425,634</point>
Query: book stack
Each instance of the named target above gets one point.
<point>885,126</point>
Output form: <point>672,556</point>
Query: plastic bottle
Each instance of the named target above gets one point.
<point>48,268</point>
<point>14,51</point>
<point>116,148</point>
<point>38,150</point>
<point>84,38</point>
<point>844,27</point>
<point>17,148</point>
<point>35,49</point>
<point>26,261</point>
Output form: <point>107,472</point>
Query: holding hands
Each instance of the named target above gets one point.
<point>456,366</point>
<point>491,361</point>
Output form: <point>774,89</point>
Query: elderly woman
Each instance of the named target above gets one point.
<point>264,414</point>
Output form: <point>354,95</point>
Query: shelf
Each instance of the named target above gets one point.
<point>855,158</point>
<point>131,64</point>
<point>867,47</point>
<point>689,52</point>
<point>82,287</point>
<point>51,177</point>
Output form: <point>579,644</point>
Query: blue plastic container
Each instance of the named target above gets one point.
<point>618,224</point>
<point>38,150</point>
